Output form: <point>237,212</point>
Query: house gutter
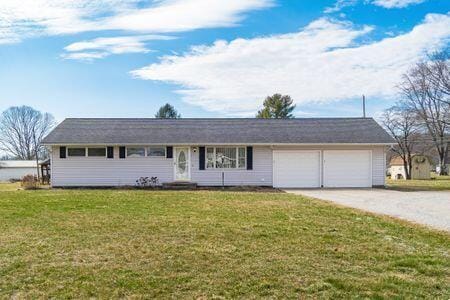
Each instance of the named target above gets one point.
<point>218,144</point>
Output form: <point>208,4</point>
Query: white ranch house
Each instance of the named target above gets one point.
<point>284,153</point>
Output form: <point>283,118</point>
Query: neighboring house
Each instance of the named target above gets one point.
<point>421,167</point>
<point>16,169</point>
<point>307,153</point>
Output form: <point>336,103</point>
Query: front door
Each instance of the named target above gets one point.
<point>182,164</point>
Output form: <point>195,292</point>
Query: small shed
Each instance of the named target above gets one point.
<point>421,167</point>
<point>16,169</point>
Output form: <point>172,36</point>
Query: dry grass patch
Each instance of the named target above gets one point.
<point>113,243</point>
<point>436,183</point>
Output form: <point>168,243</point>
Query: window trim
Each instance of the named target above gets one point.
<point>72,156</point>
<point>147,151</point>
<point>87,152</point>
<point>126,152</point>
<point>215,158</point>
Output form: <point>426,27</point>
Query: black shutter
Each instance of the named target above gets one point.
<point>110,152</point>
<point>249,158</point>
<point>62,152</point>
<point>121,152</point>
<point>201,158</point>
<point>169,152</point>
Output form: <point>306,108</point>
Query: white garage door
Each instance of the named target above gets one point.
<point>349,168</point>
<point>295,169</point>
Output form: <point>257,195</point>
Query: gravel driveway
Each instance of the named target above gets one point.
<point>429,208</point>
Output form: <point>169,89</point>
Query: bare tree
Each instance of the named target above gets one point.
<point>427,98</point>
<point>403,125</point>
<point>22,130</point>
<point>438,68</point>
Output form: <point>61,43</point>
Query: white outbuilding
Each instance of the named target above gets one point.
<point>16,169</point>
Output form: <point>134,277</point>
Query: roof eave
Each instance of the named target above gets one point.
<point>205,143</point>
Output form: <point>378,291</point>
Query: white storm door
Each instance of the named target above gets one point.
<point>182,163</point>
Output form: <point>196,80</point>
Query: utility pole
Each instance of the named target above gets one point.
<point>364,105</point>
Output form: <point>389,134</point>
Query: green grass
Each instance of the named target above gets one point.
<point>436,183</point>
<point>210,244</point>
<point>4,186</point>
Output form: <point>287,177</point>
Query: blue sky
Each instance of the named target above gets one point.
<point>126,58</point>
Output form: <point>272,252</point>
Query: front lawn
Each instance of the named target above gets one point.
<point>436,183</point>
<point>204,244</point>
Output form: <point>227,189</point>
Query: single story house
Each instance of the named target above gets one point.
<point>16,169</point>
<point>285,153</point>
<point>421,167</point>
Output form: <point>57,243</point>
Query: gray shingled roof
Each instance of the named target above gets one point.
<point>218,131</point>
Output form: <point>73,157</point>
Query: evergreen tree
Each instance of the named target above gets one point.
<point>277,107</point>
<point>167,111</point>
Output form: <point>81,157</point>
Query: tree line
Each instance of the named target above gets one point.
<point>276,106</point>
<point>422,113</point>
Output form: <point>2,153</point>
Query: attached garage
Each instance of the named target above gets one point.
<point>296,168</point>
<point>284,153</point>
<point>347,168</point>
<point>327,168</point>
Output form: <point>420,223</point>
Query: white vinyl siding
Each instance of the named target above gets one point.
<point>101,171</point>
<point>261,175</point>
<point>7,174</point>
<point>378,166</point>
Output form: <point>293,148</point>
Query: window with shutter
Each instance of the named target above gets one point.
<point>122,151</point>
<point>249,158</point>
<point>62,152</point>
<point>110,152</point>
<point>169,152</point>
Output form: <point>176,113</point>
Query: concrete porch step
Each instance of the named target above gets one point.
<point>179,185</point>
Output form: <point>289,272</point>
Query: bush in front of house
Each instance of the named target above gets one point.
<point>29,182</point>
<point>147,182</point>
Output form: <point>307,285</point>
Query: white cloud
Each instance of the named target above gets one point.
<point>183,15</point>
<point>320,63</point>
<point>86,56</point>
<point>388,4</point>
<point>396,3</point>
<point>21,19</point>
<point>340,4</point>
<point>102,47</point>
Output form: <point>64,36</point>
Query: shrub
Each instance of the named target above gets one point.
<point>147,181</point>
<point>29,182</point>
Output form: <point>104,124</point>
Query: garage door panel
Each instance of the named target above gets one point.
<point>349,168</point>
<point>294,169</point>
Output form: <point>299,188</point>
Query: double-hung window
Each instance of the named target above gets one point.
<point>225,157</point>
